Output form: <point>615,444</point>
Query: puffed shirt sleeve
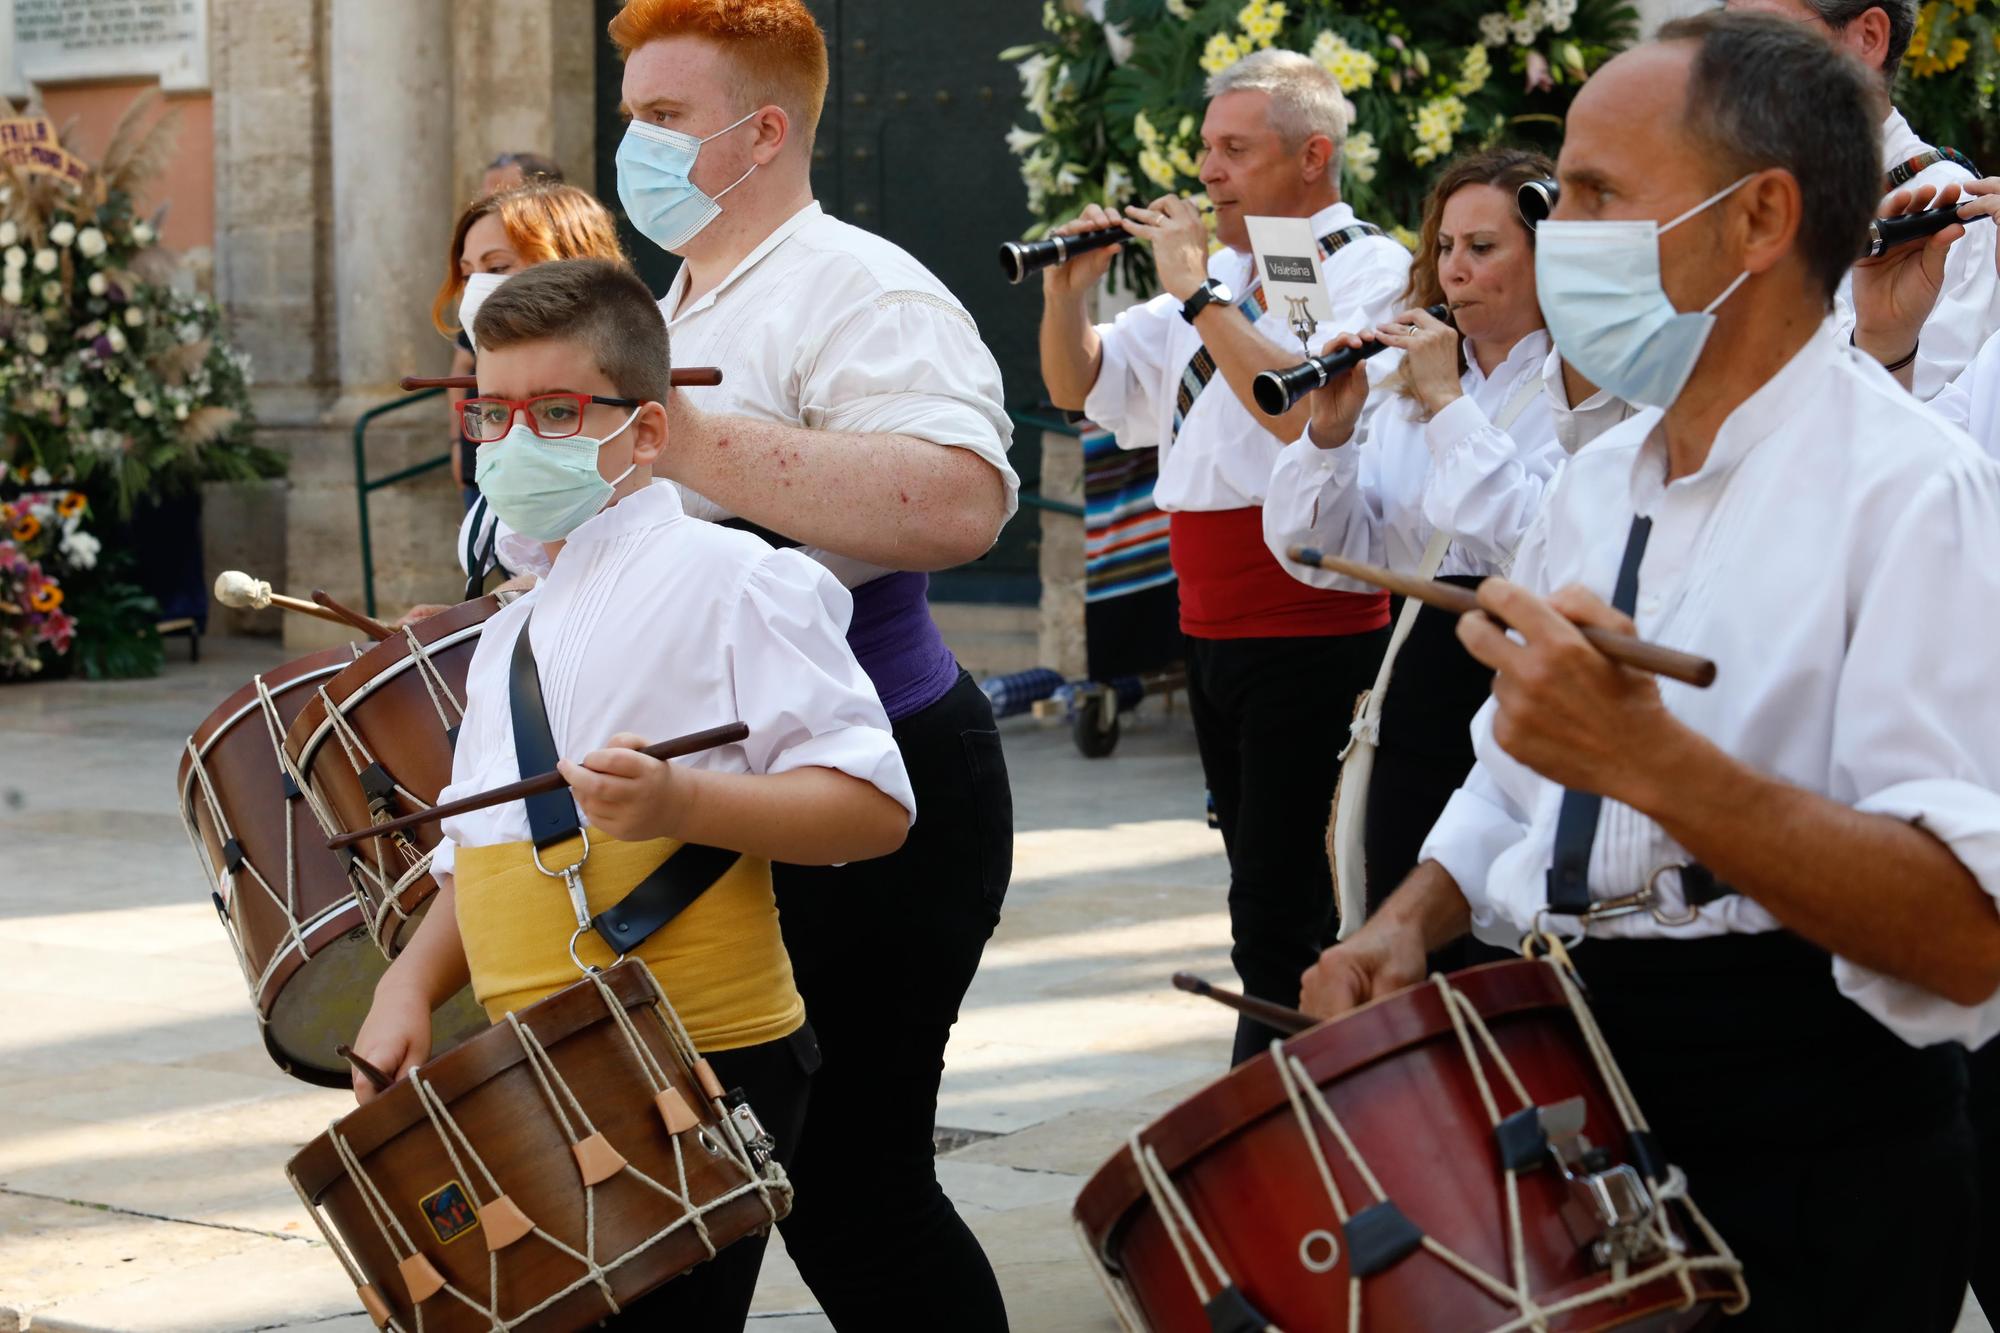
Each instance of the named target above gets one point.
<point>798,686</point>
<point>1968,401</point>
<point>1967,312</point>
<point>1124,397</point>
<point>1325,498</point>
<point>1916,718</point>
<point>911,363</point>
<point>1485,486</point>
<point>1366,283</point>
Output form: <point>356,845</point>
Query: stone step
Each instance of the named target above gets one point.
<point>989,639</point>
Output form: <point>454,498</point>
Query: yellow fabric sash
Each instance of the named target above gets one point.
<point>722,961</point>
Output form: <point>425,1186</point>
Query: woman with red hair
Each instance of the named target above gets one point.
<point>861,421</point>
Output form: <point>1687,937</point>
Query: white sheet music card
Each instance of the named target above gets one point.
<point>1288,263</point>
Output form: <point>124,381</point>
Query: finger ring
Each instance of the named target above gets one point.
<point>1411,330</point>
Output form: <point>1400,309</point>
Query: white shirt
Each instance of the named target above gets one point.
<point>1579,425</point>
<point>1223,455</point>
<point>1836,556</point>
<point>653,623</point>
<point>1972,401</point>
<point>1380,496</point>
<point>1968,309</point>
<point>828,326</point>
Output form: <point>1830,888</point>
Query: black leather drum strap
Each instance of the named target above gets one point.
<point>665,893</point>
<point>552,815</point>
<point>662,895</point>
<point>479,561</point>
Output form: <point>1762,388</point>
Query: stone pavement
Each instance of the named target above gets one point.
<point>145,1130</point>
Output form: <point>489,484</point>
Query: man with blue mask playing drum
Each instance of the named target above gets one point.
<point>861,420</point>
<point>1779,890</point>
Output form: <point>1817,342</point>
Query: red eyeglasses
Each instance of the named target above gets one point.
<point>553,416</point>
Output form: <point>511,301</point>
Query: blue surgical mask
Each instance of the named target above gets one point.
<point>1599,284</point>
<point>546,489</point>
<point>654,167</point>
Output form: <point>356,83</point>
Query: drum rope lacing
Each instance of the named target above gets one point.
<point>416,863</point>
<point>1309,1104</point>
<point>557,1092</point>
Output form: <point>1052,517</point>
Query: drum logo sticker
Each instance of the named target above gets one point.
<point>449,1212</point>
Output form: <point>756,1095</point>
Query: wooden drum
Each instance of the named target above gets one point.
<point>546,1173</point>
<point>375,742</point>
<point>1461,1155</point>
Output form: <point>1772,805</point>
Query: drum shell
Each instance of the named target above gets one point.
<point>492,1092</point>
<point>384,698</point>
<point>236,752</point>
<point>1395,1075</point>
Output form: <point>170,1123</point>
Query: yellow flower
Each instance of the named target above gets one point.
<point>1473,71</point>
<point>47,597</point>
<point>71,504</point>
<point>1350,68</point>
<point>1183,161</point>
<point>1360,156</point>
<point>1156,168</point>
<point>1409,239</point>
<point>1143,131</point>
<point>1956,52</point>
<point>1221,52</point>
<point>27,527</point>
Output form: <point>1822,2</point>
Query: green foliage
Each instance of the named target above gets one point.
<point>1425,80</point>
<point>117,635</point>
<point>1947,83</point>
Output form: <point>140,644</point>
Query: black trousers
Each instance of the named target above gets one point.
<point>715,1297</point>
<point>1270,719</point>
<point>1836,1160</point>
<point>1985,1101</point>
<point>883,952</point>
<point>1423,756</point>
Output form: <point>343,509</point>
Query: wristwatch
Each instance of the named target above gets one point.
<point>1211,290</point>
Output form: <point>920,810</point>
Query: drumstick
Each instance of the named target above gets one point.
<point>692,743</point>
<point>681,377</point>
<point>1285,1020</point>
<point>234,588</point>
<point>368,1071</point>
<point>374,629</point>
<point>1646,656</point>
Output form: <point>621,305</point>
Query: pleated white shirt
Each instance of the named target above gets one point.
<point>1838,556</point>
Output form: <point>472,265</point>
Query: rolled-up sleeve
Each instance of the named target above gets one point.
<point>912,363</point>
<point>805,699</point>
<point>1124,399</point>
<point>1485,486</point>
<point>1317,498</point>
<point>1917,721</point>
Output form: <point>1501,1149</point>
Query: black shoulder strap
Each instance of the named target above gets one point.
<point>777,539</point>
<point>552,815</point>
<point>665,893</point>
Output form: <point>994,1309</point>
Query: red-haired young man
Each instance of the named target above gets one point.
<point>861,420</point>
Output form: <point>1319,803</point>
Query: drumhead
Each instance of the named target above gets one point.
<point>324,1003</point>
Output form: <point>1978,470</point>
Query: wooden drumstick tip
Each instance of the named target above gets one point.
<point>234,588</point>
<point>368,1071</point>
<point>1191,983</point>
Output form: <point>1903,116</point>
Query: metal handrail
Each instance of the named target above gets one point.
<point>363,484</point>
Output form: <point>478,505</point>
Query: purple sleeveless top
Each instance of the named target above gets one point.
<point>898,644</point>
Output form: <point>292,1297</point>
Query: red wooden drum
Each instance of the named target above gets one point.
<point>375,742</point>
<point>546,1173</point>
<point>1462,1155</point>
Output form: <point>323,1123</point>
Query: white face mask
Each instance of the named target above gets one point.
<point>477,288</point>
<point>1599,284</point>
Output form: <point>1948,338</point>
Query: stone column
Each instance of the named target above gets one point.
<point>389,203</point>
<point>525,80</point>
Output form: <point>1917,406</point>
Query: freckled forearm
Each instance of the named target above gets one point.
<point>890,500</point>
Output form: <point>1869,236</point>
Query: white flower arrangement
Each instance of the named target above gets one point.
<point>90,243</point>
<point>62,233</point>
<point>9,233</point>
<point>45,261</point>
